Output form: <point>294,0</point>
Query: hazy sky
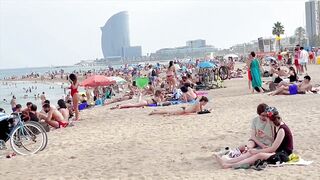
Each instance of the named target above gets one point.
<point>60,32</point>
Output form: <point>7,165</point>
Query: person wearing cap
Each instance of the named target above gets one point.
<point>283,144</point>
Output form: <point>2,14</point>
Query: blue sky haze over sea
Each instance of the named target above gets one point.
<point>37,33</point>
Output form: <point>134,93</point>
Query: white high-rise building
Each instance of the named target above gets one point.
<point>312,18</point>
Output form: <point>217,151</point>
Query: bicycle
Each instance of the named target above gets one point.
<point>24,135</point>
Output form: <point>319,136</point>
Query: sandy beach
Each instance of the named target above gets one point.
<point>129,144</point>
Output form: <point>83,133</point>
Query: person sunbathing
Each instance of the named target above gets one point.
<point>53,117</point>
<point>292,89</point>
<point>282,145</point>
<point>158,97</point>
<point>120,99</point>
<point>196,108</point>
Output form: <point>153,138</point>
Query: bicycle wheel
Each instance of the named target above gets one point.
<point>45,142</point>
<point>28,139</point>
<point>223,72</point>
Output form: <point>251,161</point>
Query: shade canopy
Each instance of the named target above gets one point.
<point>206,64</point>
<point>97,80</point>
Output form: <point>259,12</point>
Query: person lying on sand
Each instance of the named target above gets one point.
<point>196,108</point>
<point>158,97</point>
<point>292,89</point>
<point>283,144</point>
<point>53,117</point>
<point>120,99</point>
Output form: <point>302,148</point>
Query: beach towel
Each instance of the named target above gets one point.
<point>294,159</point>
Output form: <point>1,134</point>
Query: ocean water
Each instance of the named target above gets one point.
<point>42,70</point>
<point>53,92</point>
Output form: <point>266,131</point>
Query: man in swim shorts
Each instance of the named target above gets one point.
<point>292,89</point>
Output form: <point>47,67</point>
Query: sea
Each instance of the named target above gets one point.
<point>53,91</point>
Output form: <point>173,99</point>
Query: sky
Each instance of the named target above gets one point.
<point>35,33</point>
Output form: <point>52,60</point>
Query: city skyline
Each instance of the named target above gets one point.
<point>63,33</point>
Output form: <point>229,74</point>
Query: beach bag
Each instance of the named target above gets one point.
<point>278,157</point>
<point>266,74</point>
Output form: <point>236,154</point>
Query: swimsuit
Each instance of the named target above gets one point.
<point>249,75</point>
<point>73,91</point>
<point>293,89</point>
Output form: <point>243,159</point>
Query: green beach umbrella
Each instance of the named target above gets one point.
<point>142,82</point>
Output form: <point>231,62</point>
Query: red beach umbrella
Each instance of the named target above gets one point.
<point>97,80</point>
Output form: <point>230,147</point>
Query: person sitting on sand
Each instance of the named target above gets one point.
<point>186,80</point>
<point>28,106</point>
<point>262,135</point>
<point>196,108</point>
<point>149,90</point>
<point>158,97</point>
<point>53,117</point>
<point>18,108</point>
<point>292,89</point>
<point>283,144</point>
<point>188,94</point>
<point>63,110</point>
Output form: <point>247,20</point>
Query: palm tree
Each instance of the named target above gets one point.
<point>300,36</point>
<point>277,30</point>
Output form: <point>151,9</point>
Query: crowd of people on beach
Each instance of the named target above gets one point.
<point>284,76</point>
<point>271,141</point>
<point>178,84</point>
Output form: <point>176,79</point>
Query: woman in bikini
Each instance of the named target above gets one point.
<point>75,94</point>
<point>171,76</point>
<point>158,97</point>
<point>283,144</point>
<point>196,108</point>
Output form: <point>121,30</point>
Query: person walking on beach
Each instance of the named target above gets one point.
<point>74,94</point>
<point>248,63</point>
<point>296,59</point>
<point>255,73</point>
<point>303,60</point>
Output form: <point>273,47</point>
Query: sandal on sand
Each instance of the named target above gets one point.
<point>11,155</point>
<point>259,165</point>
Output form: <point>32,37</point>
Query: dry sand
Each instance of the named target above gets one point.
<point>129,144</point>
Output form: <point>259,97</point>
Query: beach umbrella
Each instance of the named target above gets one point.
<point>118,80</point>
<point>230,55</point>
<point>206,64</point>
<point>97,80</point>
<point>142,82</point>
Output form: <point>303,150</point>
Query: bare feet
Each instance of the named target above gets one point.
<point>116,107</point>
<point>221,162</point>
<point>153,112</point>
